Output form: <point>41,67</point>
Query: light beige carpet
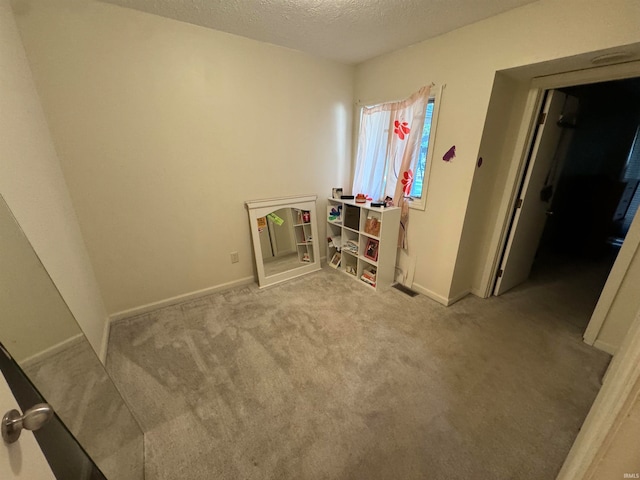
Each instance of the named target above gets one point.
<point>322,378</point>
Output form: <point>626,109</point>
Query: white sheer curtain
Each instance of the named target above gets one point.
<point>372,160</point>
<point>388,150</point>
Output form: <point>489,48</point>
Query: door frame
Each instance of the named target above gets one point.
<point>620,388</point>
<point>517,171</point>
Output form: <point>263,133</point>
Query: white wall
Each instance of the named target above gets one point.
<point>164,129</point>
<point>508,98</point>
<point>466,60</point>
<point>33,186</point>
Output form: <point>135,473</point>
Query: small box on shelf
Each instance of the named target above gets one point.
<point>372,226</point>
<point>352,217</point>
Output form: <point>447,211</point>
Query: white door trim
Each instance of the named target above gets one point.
<point>590,75</point>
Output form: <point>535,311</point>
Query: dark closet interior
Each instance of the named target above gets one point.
<point>598,171</point>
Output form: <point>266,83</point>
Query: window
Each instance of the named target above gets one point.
<point>418,190</point>
<point>391,150</point>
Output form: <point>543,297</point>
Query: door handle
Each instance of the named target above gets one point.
<point>549,213</point>
<point>33,419</point>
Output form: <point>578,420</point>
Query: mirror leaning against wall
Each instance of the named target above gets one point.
<point>284,231</point>
<point>41,334</point>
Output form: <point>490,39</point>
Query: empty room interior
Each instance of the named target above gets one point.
<point>304,240</point>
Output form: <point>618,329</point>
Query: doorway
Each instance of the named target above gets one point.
<point>579,194</point>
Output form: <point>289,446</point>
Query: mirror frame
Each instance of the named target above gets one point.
<point>260,208</point>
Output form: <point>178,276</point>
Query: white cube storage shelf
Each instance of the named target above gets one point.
<point>366,238</point>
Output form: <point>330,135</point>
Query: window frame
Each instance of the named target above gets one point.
<point>420,203</point>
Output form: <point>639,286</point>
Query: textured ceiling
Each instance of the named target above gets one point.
<point>348,31</point>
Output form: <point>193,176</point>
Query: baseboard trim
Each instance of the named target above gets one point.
<point>446,301</point>
<point>432,295</point>
<point>149,307</point>
<point>104,346</point>
<point>479,293</point>
<point>605,347</point>
<point>49,352</point>
<point>457,297</point>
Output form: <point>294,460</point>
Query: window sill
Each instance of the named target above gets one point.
<point>417,204</point>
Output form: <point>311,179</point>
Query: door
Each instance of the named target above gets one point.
<point>50,452</point>
<point>532,206</point>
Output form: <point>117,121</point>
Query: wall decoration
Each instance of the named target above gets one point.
<point>450,155</point>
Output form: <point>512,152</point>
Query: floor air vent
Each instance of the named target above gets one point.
<point>404,289</point>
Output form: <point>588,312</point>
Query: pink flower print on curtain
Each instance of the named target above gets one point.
<point>407,182</point>
<point>401,129</point>
<point>405,150</point>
